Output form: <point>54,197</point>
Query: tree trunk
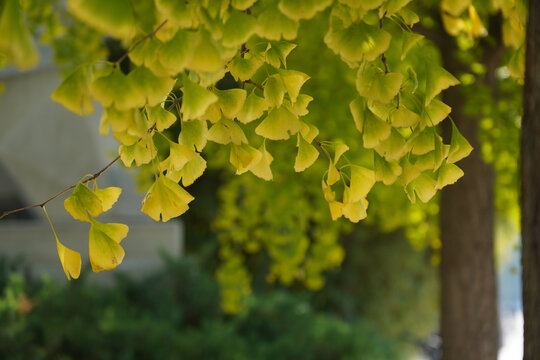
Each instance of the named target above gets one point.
<point>469,322</point>
<point>530,187</point>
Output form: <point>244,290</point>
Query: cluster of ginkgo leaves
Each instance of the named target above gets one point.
<point>179,51</point>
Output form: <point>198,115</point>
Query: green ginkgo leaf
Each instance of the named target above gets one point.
<point>278,52</point>
<point>362,180</point>
<point>231,101</point>
<point>274,91</point>
<point>307,154</point>
<point>145,53</point>
<point>176,54</point>
<point>459,146</point>
<point>425,187</point>
<point>309,132</point>
<point>179,155</point>
<point>73,93</point>
<point>423,142</point>
<point>279,124</point>
<point>238,29</point>
<point>358,110</point>
<point>262,167</point>
<point>435,112</point>
<point>253,108</point>
<point>358,42</point>
<point>404,117</point>
<point>82,202</point>
<point>119,120</point>
<point>393,147</point>
<point>437,79</point>
<point>104,245</point>
<point>448,174</point>
<point>165,198</point>
<point>293,81</point>
<point>410,172</point>
<point>154,88</point>
<point>300,107</point>
<point>374,130</point>
<point>117,89</point>
<point>142,152</point>
<point>177,12</point>
<point>16,42</point>
<point>302,9</point>
<point>161,117</point>
<point>193,134</point>
<point>243,68</point>
<point>386,171</point>
<point>243,157</point>
<point>112,17</point>
<point>226,131</point>
<point>409,39</point>
<point>274,25</point>
<point>206,55</point>
<point>196,100</point>
<point>377,85</point>
<point>108,196</point>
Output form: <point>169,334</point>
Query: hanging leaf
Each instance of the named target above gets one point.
<point>166,198</point>
<point>226,131</point>
<point>196,100</point>
<point>274,91</point>
<point>142,152</point>
<point>193,134</point>
<point>70,260</point>
<point>161,117</point>
<point>459,146</point>
<point>177,12</point>
<point>437,79</point>
<point>155,89</point>
<point>273,25</point>
<point>112,17</point>
<point>262,167</point>
<point>279,123</point>
<point>375,130</point>
<point>231,101</point>
<point>243,157</point>
<point>253,108</point>
<point>104,245</point>
<point>293,81</point>
<point>307,154</point>
<point>386,171</point>
<point>177,53</point>
<point>238,29</point>
<point>73,92</point>
<point>362,180</point>
<point>448,174</point>
<point>117,89</point>
<point>108,196</point>
<point>191,171</point>
<point>425,187</point>
<point>81,201</point>
<point>377,85</point>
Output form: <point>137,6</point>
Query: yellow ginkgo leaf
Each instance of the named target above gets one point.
<point>262,167</point>
<point>253,108</point>
<point>142,152</point>
<point>104,245</point>
<point>243,157</point>
<point>300,107</point>
<point>118,89</point>
<point>274,91</point>
<point>191,171</point>
<point>307,154</point>
<point>386,171</point>
<point>196,100</point>
<point>279,124</point>
<point>336,209</point>
<point>355,211</point>
<point>375,130</point>
<point>73,92</point>
<point>274,25</point>
<point>231,101</point>
<point>437,79</point>
<point>425,187</point>
<point>108,196</point>
<point>459,146</point>
<point>376,85</point>
<point>448,174</point>
<point>362,180</point>
<point>193,134</point>
<point>293,81</point>
<point>161,117</point>
<point>166,198</point>
<point>176,54</point>
<point>179,155</point>
<point>112,17</point>
<point>155,88</point>
<point>226,131</point>
<point>238,28</point>
<point>81,201</point>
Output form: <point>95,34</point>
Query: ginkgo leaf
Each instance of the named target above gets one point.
<point>293,81</point>
<point>177,12</point>
<point>196,100</point>
<point>355,211</point>
<point>329,194</point>
<point>339,150</point>
<point>274,91</point>
<point>377,85</point>
<point>104,245</point>
<point>238,29</point>
<point>425,187</point>
<point>390,7</point>
<point>108,196</point>
<point>404,117</point>
<point>448,174</point>
<point>242,4</point>
<point>231,101</point>
<point>452,24</point>
<point>145,53</point>
<point>477,28</point>
<point>309,132</point>
<point>299,108</point>
<point>190,172</point>
<point>424,142</point>
<point>212,113</point>
<point>409,39</point>
<point>262,167</point>
<point>16,41</point>
<point>459,146</point>
<point>243,68</point>
<point>243,157</point>
<point>374,130</point>
<point>274,25</point>
<point>426,161</point>
<point>254,107</point>
<point>409,173</point>
<point>302,9</point>
<point>154,88</point>
<point>226,131</point>
<point>386,171</point>
<point>436,112</point>
<point>333,174</point>
<point>409,16</point>
<point>307,154</point>
<point>358,109</point>
<point>82,202</point>
<point>193,134</point>
<point>142,152</point>
<point>161,117</point>
<point>437,79</point>
<point>118,89</point>
<point>362,180</point>
<point>179,155</point>
<point>336,209</point>
<point>358,42</point>
<point>166,198</point>
<point>70,260</point>
<point>206,56</point>
<point>119,120</point>
<point>393,147</point>
<point>279,123</point>
<point>112,17</point>
<point>455,7</point>
<point>176,54</point>
<point>278,52</point>
<point>73,92</point>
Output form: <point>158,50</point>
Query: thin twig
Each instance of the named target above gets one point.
<point>258,86</point>
<point>139,42</point>
<point>93,177</point>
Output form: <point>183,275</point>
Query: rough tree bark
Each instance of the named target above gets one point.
<point>530,187</point>
<point>469,322</point>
